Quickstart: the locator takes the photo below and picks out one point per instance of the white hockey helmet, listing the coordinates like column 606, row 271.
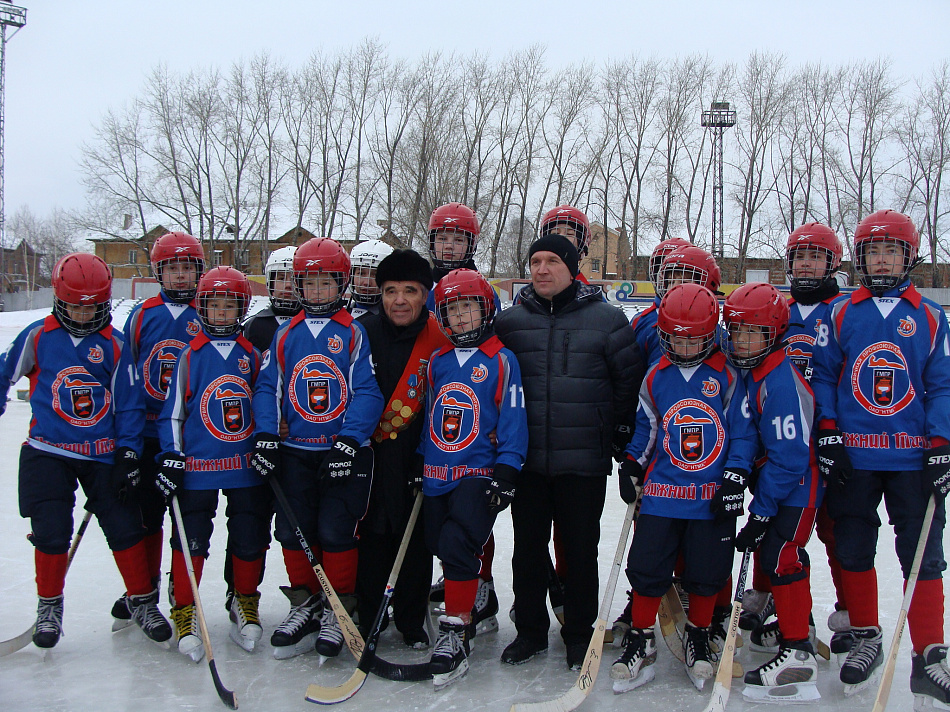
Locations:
column 364, row 259
column 281, row 261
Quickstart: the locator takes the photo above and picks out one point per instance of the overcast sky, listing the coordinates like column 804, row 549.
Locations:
column 76, row 58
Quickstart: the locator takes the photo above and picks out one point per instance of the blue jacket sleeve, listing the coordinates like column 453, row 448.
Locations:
column 18, row 360
column 827, row 363
column 366, row 406
column 937, row 381
column 128, row 401
column 743, row 440
column 269, row 391
column 512, row 431
column 643, row 442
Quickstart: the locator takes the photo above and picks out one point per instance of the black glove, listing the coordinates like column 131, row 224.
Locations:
column 833, row 460
column 125, row 473
column 729, row 498
column 415, row 474
column 266, row 458
column 171, row 475
column 631, row 480
column 501, row 488
column 937, row 469
column 623, row 433
column 752, row 533
column 337, row 466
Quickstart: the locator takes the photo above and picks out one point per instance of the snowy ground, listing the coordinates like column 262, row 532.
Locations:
column 93, row 668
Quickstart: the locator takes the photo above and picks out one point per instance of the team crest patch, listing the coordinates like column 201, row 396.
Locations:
column 335, row 344
column 78, row 398
column 159, row 366
column 318, row 389
column 880, row 380
column 694, row 435
column 225, row 408
column 907, row 326
column 193, row 327
column 799, row 349
column 479, row 374
column 244, row 364
column 710, row 387
column 454, row 420
column 95, row 354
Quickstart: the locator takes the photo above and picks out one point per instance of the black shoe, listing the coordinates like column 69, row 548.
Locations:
column 521, row 650
column 930, row 678
column 865, row 656
column 576, row 652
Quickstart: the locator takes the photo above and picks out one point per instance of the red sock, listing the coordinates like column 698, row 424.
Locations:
column 247, row 575
column 724, row 597
column 488, row 555
column 643, row 610
column 460, row 597
column 299, row 571
column 860, row 590
column 760, row 579
column 50, row 573
column 701, row 610
column 825, row 528
column 925, row 616
column 341, row 569
column 154, row 546
column 133, row 565
column 183, row 594
column 559, row 564
column 792, row 606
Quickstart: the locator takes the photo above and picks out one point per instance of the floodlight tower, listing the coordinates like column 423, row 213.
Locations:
column 719, row 118
column 10, row 16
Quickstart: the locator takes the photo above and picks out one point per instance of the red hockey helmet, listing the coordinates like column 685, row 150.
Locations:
column 82, row 280
column 321, row 256
column 177, row 247
column 456, row 218
column 885, row 227
column 689, row 264
column 227, row 283
column 567, row 216
column 688, row 310
column 754, row 308
column 659, row 254
column 454, row 297
column 813, row 236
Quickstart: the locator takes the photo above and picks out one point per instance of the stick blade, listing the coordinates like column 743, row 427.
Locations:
column 227, row 697
column 18, row 643
column 334, row 695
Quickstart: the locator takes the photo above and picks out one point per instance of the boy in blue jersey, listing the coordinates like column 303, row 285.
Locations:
column 693, row 432
column 474, row 388
column 205, row 431
column 787, row 491
column 882, row 383
column 318, row 377
column 86, row 415
column 156, row 332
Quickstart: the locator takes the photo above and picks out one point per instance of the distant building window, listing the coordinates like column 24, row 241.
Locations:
column 242, row 259
column 216, row 260
column 595, row 265
column 133, row 257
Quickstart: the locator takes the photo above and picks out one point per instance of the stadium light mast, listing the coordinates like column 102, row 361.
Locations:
column 719, row 118
column 10, row 16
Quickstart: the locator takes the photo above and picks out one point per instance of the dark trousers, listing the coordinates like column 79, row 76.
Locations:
column 783, row 555
column 247, row 512
column 458, row 524
column 575, row 505
column 149, row 498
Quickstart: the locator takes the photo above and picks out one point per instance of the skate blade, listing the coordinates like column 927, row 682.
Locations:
column 120, row 624
column 247, row 644
column 443, row 680
column 195, row 654
column 851, row 690
column 302, row 646
column 163, row 644
column 632, row 683
column 698, row 681
column 488, row 625
column 926, row 703
column 794, row 693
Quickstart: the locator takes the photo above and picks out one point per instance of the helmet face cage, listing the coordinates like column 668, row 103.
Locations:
column 689, row 311
column 706, row 343
column 808, row 284
column 181, row 295
column 100, row 319
column 280, row 265
column 441, row 263
column 571, row 217
column 364, row 259
column 880, row 283
column 463, row 307
column 204, row 310
column 317, row 306
column 757, row 315
column 682, row 271
column 80, row 281
column 660, row 253
column 749, row 358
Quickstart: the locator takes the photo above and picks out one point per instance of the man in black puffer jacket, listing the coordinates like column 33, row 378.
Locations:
column 581, row 369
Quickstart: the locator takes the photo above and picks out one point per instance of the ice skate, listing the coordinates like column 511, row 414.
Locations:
column 121, row 617
column 718, row 630
column 636, row 665
column 330, row 638
column 930, row 679
column 484, row 615
column 185, row 619
column 757, row 608
column 699, row 658
column 297, row 634
column 841, row 644
column 145, row 615
column 620, row 627
column 449, row 660
column 858, row 669
column 246, row 628
column 789, row 677
column 49, row 622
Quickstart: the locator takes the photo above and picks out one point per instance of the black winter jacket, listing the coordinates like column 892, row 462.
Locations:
column 581, row 369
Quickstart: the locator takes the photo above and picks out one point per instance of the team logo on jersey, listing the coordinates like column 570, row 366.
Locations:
column 710, row 388
column 907, row 326
column 95, row 354
column 244, row 364
column 335, row 344
column 159, row 366
column 78, row 398
column 479, row 374
column 880, row 380
column 193, row 327
column 454, row 420
column 694, row 435
column 318, row 389
column 225, row 408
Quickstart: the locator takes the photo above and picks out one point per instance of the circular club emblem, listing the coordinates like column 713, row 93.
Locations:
column 694, row 435
column 158, row 368
column 225, row 408
column 79, row 398
column 799, row 349
column 318, row 389
column 879, row 379
column 455, row 415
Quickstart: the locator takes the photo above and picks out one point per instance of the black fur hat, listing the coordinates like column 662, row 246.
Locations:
column 404, row 266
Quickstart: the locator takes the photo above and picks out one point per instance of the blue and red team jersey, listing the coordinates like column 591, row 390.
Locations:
column 882, row 372
column 319, row 377
column 644, row 331
column 692, row 423
column 83, row 390
column 471, row 393
column 804, row 322
column 207, row 413
column 157, row 330
column 782, row 406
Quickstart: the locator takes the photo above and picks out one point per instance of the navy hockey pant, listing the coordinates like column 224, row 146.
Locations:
column 150, row 499
column 247, row 512
column 47, row 491
column 458, row 524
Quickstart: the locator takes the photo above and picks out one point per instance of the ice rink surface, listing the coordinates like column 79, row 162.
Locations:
column 94, row 669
